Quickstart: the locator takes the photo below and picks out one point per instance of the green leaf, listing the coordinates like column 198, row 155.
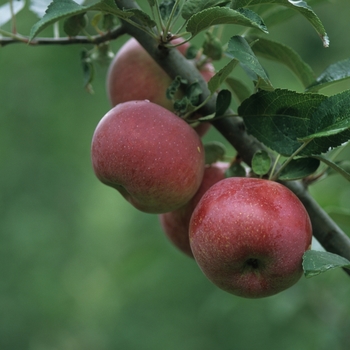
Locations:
column 261, row 162
column 238, row 88
column 214, row 151
column 152, row 2
column 339, row 169
column 212, row 47
column 283, row 54
column 333, row 74
column 223, row 102
column 329, row 125
column 165, row 9
column 299, row 168
column 316, row 262
column 220, row 76
column 218, row 15
column 190, row 99
column 239, row 49
column 191, row 7
column 60, row 9
column 174, row 87
column 254, row 17
column 236, row 170
column 279, row 14
column 73, row 25
column 193, row 92
column 279, row 118
column 299, row 5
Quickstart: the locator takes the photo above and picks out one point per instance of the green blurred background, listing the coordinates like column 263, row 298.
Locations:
column 80, row 269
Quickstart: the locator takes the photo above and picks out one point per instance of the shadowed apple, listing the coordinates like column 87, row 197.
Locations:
column 175, row 224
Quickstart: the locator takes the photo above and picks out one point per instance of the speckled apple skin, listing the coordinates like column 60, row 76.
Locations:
column 134, row 75
column 151, row 156
column 248, row 236
column 175, row 224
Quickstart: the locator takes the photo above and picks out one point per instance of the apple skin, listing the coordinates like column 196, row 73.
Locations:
column 176, row 223
column 134, row 75
column 249, row 235
column 150, row 155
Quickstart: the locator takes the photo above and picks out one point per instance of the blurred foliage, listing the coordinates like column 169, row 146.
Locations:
column 80, row 269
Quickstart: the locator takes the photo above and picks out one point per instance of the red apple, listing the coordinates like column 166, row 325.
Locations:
column 175, row 224
column 134, row 75
column 249, row 235
column 150, row 155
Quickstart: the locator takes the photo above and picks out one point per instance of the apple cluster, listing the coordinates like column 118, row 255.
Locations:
column 248, row 235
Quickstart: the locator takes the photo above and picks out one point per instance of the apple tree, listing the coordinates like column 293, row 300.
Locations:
column 276, row 134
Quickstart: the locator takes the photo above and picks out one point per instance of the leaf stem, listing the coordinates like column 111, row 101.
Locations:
column 13, row 18
column 159, row 18
column 170, row 19
column 274, row 166
column 274, row 177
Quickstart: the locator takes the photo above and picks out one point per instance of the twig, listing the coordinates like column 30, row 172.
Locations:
column 95, row 40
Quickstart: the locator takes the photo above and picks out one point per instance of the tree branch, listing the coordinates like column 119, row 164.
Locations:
column 325, row 230
column 95, row 40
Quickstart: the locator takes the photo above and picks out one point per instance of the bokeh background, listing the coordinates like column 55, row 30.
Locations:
column 80, row 269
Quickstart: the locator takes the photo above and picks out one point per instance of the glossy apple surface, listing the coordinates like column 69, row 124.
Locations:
column 151, row 156
column 248, row 236
column 175, row 224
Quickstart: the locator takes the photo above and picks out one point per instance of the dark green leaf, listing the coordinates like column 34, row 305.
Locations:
column 191, row 7
column 214, row 151
column 254, row 17
column 220, row 76
column 223, row 102
column 212, row 47
column 279, row 118
column 337, row 167
column 283, row 54
column 301, row 6
column 261, row 162
column 193, row 92
column 235, row 170
column 174, row 87
column 299, row 168
column 333, row 74
column 218, row 15
column 316, row 262
column 165, row 8
column 60, row 9
column 238, row 88
column 152, row 2
column 329, row 125
column 73, row 25
column 239, row 49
